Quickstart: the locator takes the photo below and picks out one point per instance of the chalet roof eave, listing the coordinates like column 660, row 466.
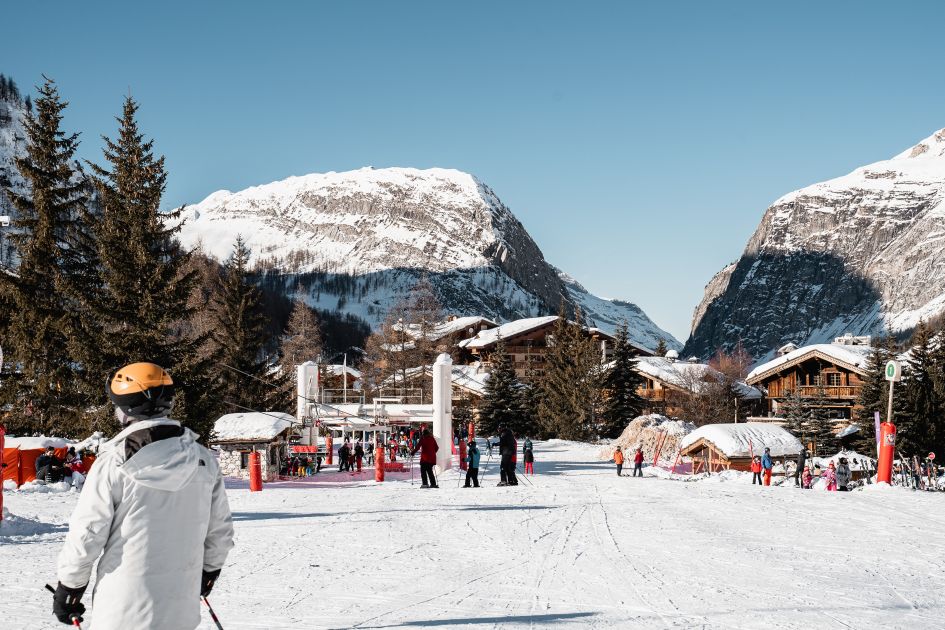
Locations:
column 804, row 357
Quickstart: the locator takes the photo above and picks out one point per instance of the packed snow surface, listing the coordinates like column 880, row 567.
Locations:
column 251, row 425
column 579, row 548
column 745, row 438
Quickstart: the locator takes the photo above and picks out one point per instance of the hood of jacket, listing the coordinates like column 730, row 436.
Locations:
column 167, row 464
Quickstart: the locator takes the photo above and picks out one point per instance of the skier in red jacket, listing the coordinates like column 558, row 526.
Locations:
column 638, row 462
column 428, row 448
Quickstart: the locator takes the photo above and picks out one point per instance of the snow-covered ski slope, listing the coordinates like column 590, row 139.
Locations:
column 581, row 548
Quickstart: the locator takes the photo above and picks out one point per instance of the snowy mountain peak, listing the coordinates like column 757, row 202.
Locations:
column 857, row 253
column 380, row 229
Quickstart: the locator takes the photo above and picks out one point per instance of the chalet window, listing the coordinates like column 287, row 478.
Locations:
column 815, row 380
column 244, row 460
column 833, row 379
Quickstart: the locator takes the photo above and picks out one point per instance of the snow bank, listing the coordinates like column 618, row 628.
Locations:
column 645, row 431
column 251, row 426
column 42, row 487
column 743, row 439
column 13, row 525
column 37, row 442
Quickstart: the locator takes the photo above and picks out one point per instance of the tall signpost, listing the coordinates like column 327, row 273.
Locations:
column 887, row 430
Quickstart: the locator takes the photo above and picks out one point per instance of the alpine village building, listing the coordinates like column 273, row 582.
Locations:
column 826, row 376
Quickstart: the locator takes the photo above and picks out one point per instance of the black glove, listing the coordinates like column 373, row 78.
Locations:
column 207, row 580
column 66, row 604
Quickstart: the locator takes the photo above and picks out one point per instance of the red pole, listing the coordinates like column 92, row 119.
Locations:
column 462, row 455
column 887, row 450
column 255, row 472
column 2, row 433
column 328, row 447
column 378, row 464
column 472, row 430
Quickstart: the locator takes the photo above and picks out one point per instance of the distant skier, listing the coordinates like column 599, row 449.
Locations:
column 359, row 454
column 801, row 462
column 528, row 456
column 767, row 465
column 428, row 448
column 756, row 470
column 638, row 462
column 807, row 480
column 830, row 477
column 472, row 458
column 618, row 459
column 507, row 452
column 154, row 514
column 343, row 457
column 843, row 475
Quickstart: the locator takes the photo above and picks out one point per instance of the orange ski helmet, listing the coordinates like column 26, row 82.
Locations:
column 142, row 390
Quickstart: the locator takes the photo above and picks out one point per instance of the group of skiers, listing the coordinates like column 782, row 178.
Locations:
column 51, row 469
column 637, row 461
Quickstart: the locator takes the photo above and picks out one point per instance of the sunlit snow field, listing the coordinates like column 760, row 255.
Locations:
column 578, row 548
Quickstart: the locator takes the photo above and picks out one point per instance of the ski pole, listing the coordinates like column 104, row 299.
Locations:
column 213, row 615
column 74, row 618
column 525, row 477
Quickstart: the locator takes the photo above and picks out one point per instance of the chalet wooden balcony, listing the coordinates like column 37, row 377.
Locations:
column 653, row 395
column 839, row 392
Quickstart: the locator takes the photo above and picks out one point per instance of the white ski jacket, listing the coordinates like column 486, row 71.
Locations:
column 155, row 509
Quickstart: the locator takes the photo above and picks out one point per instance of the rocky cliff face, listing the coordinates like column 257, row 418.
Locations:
column 12, row 140
column 357, row 241
column 854, row 254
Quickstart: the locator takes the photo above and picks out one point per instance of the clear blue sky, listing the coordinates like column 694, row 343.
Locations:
column 639, row 143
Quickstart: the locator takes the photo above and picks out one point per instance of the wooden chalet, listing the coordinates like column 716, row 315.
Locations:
column 667, row 379
column 526, row 342
column 828, row 377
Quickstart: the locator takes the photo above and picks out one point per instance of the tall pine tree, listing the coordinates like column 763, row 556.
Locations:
column 874, row 393
column 500, row 401
column 139, row 310
column 302, row 340
column 248, row 380
column 570, row 384
column 35, row 322
column 922, row 406
column 620, row 384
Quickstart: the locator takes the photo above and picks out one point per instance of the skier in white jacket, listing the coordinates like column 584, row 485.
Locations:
column 154, row 508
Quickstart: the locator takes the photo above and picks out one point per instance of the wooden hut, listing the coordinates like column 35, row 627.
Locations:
column 718, row 447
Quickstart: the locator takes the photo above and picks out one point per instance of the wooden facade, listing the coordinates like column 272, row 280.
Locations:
column 706, row 457
column 822, row 381
column 528, row 349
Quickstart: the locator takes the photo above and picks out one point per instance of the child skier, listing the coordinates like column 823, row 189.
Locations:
column 472, row 458
column 638, row 462
column 756, row 470
column 529, row 457
column 830, row 476
column 843, row 475
column 806, row 478
column 618, row 459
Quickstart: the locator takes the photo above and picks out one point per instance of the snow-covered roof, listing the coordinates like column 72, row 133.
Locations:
column 448, row 327
column 486, row 338
column 37, row 442
column 685, row 375
column 853, row 357
column 251, row 426
column 743, row 439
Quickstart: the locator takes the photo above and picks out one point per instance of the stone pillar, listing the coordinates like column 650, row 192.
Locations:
column 443, row 411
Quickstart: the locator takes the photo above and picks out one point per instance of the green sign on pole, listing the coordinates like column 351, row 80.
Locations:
column 893, row 371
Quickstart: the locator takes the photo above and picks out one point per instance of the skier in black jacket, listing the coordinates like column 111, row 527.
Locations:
column 801, row 462
column 507, row 450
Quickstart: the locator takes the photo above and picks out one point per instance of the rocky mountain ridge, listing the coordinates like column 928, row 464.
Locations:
column 357, row 241
column 858, row 253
